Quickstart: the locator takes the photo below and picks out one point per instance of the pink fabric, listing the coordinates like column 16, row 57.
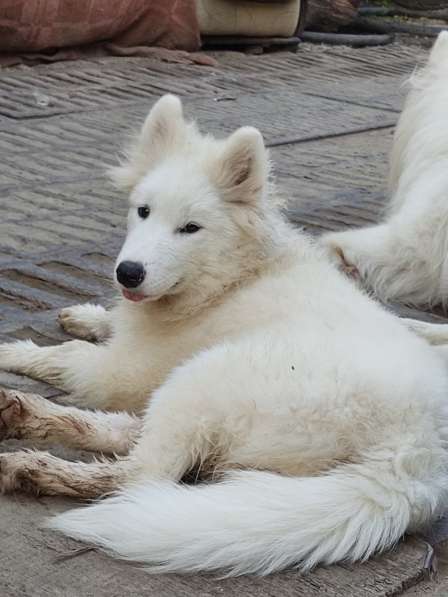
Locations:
column 39, row 25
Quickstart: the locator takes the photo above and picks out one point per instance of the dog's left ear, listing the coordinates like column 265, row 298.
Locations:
column 242, row 170
column 439, row 51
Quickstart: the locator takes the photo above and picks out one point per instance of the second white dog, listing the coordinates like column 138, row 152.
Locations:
column 405, row 258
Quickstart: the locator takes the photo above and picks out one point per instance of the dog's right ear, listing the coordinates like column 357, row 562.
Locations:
column 163, row 128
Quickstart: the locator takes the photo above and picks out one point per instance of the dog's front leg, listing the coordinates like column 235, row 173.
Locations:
column 56, row 365
column 95, row 376
column 31, row 417
column 41, row 473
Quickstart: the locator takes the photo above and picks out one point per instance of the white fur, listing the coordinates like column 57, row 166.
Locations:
column 87, row 321
column 405, row 258
column 258, row 355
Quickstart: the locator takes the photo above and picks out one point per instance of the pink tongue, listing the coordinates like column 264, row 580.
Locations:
column 133, row 296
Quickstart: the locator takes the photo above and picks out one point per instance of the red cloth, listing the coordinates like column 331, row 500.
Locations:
column 39, row 25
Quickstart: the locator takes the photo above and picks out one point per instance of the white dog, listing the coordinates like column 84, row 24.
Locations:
column 320, row 418
column 405, row 258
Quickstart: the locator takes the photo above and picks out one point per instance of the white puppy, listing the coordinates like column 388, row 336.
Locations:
column 251, row 358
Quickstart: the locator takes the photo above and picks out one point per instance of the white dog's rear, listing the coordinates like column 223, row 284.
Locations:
column 405, row 258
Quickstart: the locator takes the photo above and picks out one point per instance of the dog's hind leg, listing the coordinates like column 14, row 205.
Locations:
column 399, row 261
column 31, row 417
column 44, row 474
column 356, row 251
column 88, row 322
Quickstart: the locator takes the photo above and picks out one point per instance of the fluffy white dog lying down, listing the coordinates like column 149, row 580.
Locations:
column 320, row 420
column 405, row 258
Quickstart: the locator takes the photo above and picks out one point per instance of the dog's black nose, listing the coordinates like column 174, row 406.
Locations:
column 130, row 273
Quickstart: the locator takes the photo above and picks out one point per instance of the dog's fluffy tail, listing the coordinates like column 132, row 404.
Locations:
column 257, row 522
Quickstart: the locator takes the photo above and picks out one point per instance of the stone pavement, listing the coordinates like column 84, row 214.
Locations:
column 328, row 115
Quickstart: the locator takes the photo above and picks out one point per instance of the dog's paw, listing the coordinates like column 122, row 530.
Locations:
column 7, row 473
column 71, row 320
column 87, row 322
column 18, row 471
column 16, row 356
column 12, row 414
column 18, row 411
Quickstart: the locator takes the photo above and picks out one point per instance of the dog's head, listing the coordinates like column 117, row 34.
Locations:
column 198, row 207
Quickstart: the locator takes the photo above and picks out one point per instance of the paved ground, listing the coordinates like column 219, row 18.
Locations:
column 328, row 115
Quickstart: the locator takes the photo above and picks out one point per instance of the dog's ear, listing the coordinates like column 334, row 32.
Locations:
column 162, row 127
column 439, row 51
column 162, row 130
column 242, row 170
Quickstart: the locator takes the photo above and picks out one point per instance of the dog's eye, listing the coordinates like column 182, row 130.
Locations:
column 143, row 212
column 189, row 228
